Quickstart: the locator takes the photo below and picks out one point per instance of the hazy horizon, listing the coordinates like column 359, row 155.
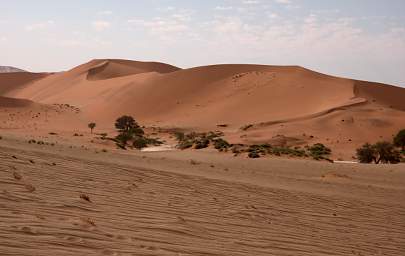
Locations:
column 356, row 39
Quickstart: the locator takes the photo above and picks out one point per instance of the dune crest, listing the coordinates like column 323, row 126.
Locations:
column 108, row 69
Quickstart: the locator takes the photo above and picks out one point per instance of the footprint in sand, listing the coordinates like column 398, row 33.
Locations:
column 73, row 239
column 28, row 230
column 30, row 188
column 17, row 176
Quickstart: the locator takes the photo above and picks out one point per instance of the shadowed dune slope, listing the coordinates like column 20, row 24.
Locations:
column 13, row 80
column 6, row 102
column 387, row 95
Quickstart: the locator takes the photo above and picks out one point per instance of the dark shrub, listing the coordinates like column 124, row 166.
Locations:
column 319, row 151
column 122, row 139
column 366, row 154
column 153, row 141
column 140, row 142
column 202, row 143
column 253, row 154
column 399, row 139
column 221, row 144
column 185, row 144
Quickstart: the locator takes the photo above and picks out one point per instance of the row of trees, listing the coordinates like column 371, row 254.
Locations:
column 383, row 151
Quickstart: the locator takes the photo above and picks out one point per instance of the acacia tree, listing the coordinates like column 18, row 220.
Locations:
column 91, row 126
column 399, row 139
column 381, row 152
column 128, row 130
column 127, row 124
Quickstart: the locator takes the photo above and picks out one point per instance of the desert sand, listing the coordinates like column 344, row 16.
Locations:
column 76, row 194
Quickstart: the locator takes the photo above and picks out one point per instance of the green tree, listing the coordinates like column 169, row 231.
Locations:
column 91, row 126
column 399, row 139
column 386, row 153
column 381, row 152
column 366, row 154
column 128, row 130
column 127, row 124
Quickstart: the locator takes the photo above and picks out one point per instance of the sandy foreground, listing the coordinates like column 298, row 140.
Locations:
column 194, row 203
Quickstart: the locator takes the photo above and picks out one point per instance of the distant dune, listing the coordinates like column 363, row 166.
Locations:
column 273, row 101
column 8, row 69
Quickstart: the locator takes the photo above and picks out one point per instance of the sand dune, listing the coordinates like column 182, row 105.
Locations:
column 275, row 100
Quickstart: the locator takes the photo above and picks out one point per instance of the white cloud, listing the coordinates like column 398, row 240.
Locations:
column 223, row 8
column 250, row 2
column 105, row 13
column 169, row 27
column 39, row 26
column 283, row 1
column 160, row 25
column 101, row 25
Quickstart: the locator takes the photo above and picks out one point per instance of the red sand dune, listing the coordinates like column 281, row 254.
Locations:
column 275, row 100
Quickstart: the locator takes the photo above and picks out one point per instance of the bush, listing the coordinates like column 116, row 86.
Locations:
column 103, row 136
column 253, row 154
column 221, row 144
column 399, row 139
column 153, row 141
column 185, row 144
column 366, row 154
column 197, row 140
column 122, row 139
column 202, row 143
column 319, row 151
column 140, row 142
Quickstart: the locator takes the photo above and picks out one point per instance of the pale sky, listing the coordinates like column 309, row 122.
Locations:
column 362, row 39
